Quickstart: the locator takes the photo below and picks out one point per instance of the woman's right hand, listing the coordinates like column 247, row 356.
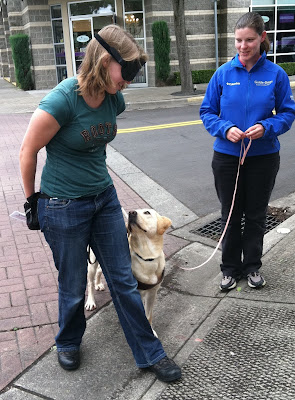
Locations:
column 234, row 134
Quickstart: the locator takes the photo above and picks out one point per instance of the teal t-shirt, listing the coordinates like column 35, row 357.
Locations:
column 76, row 156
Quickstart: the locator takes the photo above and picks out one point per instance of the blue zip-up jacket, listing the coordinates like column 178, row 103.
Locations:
column 236, row 97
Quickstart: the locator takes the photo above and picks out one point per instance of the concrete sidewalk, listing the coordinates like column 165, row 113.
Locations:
column 18, row 101
column 238, row 345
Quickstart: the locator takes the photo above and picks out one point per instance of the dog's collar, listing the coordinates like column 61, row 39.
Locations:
column 146, row 286
column 144, row 259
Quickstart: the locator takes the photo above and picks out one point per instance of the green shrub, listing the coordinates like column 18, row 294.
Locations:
column 161, row 40
column 201, row 76
column 204, row 75
column 288, row 67
column 22, row 60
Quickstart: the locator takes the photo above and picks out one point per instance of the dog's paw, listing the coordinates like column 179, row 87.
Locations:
column 99, row 287
column 90, row 305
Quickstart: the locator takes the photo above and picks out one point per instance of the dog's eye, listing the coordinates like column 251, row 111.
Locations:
column 147, row 213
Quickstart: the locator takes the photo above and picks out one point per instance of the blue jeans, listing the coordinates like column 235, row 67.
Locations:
column 69, row 226
column 242, row 251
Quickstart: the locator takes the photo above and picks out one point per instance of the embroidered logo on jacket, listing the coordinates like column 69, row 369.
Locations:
column 233, row 83
column 263, row 83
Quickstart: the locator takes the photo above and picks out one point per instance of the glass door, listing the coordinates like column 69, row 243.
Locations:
column 101, row 21
column 134, row 22
column 81, row 35
column 83, row 30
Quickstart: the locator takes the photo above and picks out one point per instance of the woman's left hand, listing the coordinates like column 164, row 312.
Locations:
column 255, row 131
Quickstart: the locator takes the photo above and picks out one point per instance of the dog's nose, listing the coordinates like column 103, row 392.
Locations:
column 132, row 216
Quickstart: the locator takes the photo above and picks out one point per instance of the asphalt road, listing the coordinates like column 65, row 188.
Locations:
column 179, row 157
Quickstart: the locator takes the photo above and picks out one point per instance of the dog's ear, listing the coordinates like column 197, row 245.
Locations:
column 128, row 229
column 163, row 224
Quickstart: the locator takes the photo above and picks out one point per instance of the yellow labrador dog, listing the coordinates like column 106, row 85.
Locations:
column 145, row 231
column 145, row 234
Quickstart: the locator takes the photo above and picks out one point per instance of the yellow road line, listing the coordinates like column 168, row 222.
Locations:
column 163, row 126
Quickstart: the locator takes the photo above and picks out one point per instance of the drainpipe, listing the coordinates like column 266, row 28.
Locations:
column 216, row 33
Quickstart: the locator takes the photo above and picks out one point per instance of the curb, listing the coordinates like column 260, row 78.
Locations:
column 147, row 105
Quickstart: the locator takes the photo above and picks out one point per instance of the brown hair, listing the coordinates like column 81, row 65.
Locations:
column 93, row 76
column 254, row 21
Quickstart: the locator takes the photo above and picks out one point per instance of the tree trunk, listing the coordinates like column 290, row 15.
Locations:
column 182, row 48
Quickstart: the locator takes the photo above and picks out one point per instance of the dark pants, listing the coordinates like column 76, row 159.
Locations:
column 242, row 250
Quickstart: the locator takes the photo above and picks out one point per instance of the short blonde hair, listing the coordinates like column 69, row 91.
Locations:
column 93, row 76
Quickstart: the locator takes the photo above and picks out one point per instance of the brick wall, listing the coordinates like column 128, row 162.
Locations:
column 31, row 17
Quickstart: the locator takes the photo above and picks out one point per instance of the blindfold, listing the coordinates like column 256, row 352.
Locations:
column 129, row 68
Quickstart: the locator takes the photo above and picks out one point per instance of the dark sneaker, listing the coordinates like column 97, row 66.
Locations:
column 255, row 280
column 166, row 370
column 227, row 283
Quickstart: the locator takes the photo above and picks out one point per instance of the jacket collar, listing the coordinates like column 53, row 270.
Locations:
column 237, row 63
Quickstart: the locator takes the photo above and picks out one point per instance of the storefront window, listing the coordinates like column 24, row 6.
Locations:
column 82, row 34
column 60, row 57
column 279, row 19
column 93, row 7
column 61, row 73
column 268, row 15
column 262, row 2
column 58, row 34
column 55, row 12
column 285, row 58
column 133, row 5
column 286, row 18
column 58, row 42
column 134, row 24
column 101, row 21
column 286, row 42
column 141, row 76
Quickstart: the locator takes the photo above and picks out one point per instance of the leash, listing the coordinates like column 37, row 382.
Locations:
column 243, row 152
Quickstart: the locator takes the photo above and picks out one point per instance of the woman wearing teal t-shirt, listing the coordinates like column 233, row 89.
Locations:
column 79, row 205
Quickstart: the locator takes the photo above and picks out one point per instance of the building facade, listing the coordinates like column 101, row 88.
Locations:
column 59, row 31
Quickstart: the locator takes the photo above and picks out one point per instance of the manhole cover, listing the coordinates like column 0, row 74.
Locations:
column 274, row 217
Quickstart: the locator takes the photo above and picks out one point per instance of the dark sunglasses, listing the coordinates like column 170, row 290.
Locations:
column 129, row 68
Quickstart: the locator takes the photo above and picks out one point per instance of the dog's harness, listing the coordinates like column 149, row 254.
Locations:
column 146, row 286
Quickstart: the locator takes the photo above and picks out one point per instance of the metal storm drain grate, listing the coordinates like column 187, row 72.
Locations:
column 274, row 217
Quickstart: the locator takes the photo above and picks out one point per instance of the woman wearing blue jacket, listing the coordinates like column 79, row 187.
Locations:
column 248, row 99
